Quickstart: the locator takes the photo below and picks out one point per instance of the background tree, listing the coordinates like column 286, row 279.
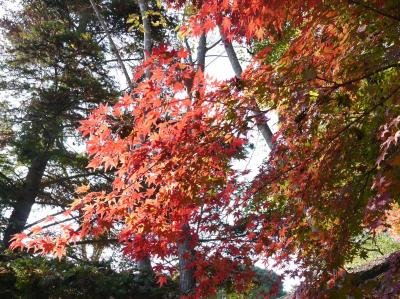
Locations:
column 57, row 64
column 54, row 65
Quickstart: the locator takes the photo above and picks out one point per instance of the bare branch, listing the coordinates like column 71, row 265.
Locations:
column 375, row 10
column 214, row 44
column 43, row 219
column 113, row 46
column 189, row 50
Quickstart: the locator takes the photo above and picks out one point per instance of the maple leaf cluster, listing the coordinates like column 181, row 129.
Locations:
column 332, row 173
column 170, row 150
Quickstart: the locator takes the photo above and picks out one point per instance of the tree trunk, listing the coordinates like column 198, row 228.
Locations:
column 200, row 61
column 201, row 52
column 260, row 119
column 186, row 254
column 26, row 197
column 187, row 281
column 144, row 264
column 261, row 122
column 147, row 40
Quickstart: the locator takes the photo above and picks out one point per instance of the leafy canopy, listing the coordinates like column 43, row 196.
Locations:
column 325, row 188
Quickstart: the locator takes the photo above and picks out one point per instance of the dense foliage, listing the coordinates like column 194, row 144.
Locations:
column 328, row 185
column 39, row 278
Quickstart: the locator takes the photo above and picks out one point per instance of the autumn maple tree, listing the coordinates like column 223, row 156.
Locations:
column 330, row 71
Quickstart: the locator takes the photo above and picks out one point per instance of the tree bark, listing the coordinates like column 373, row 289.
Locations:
column 187, row 281
column 144, row 264
column 230, row 51
column 201, row 52
column 26, row 197
column 200, row 60
column 147, row 40
column 186, row 254
column 261, row 121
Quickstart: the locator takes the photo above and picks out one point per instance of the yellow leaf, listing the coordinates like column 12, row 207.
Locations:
column 82, row 189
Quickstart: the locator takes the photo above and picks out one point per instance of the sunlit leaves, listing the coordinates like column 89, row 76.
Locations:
column 333, row 171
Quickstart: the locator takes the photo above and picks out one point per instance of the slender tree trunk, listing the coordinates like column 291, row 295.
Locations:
column 201, row 52
column 200, row 60
column 147, row 40
column 230, row 51
column 26, row 197
column 144, row 264
column 186, row 254
column 261, row 121
column 187, row 281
